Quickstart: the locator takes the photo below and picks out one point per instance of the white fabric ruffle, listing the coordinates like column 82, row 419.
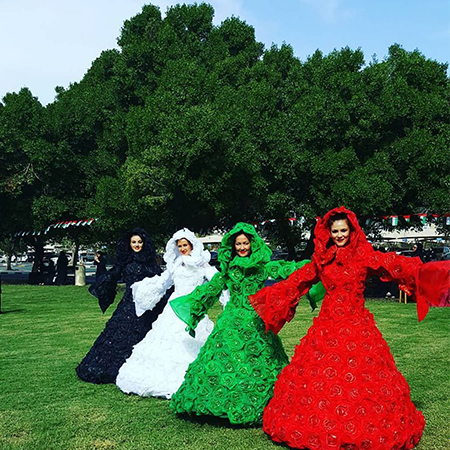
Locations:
column 148, row 292
column 158, row 363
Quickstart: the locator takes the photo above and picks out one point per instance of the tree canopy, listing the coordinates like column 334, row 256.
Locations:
column 193, row 124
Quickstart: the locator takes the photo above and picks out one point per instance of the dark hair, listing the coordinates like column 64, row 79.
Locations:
column 339, row 216
column 99, row 252
column 334, row 218
column 190, row 243
column 240, row 233
column 419, row 250
column 125, row 253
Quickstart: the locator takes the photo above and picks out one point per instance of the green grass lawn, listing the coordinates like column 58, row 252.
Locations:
column 46, row 330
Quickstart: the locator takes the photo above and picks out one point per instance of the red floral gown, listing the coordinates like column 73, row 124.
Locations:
column 342, row 389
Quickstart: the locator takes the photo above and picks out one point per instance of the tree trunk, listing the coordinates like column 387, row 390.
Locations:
column 286, row 235
column 9, row 255
column 8, row 261
column 309, row 250
column 38, row 245
column 292, row 254
column 36, row 276
column 76, row 250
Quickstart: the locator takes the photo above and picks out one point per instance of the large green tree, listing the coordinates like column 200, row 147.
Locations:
column 22, row 125
column 193, row 124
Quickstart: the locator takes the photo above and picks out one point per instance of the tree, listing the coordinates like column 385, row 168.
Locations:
column 21, row 124
column 192, row 124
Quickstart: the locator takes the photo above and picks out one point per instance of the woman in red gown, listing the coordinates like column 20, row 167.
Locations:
column 342, row 389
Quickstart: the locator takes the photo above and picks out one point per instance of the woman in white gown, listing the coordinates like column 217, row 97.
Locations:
column 157, row 366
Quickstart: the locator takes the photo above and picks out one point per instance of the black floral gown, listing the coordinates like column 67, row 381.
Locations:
column 124, row 329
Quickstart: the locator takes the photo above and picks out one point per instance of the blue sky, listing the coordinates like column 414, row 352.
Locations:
column 48, row 43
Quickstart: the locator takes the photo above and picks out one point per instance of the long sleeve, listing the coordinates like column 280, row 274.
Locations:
column 209, row 274
column 427, row 282
column 193, row 307
column 149, row 291
column 105, row 287
column 283, row 269
column 276, row 304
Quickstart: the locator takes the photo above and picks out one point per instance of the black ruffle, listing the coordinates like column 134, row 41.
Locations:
column 116, row 342
column 126, row 255
column 124, row 329
column 105, row 290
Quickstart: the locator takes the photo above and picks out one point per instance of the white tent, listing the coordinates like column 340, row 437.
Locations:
column 212, row 239
column 428, row 232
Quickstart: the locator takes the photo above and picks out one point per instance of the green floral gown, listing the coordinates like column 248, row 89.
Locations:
column 235, row 371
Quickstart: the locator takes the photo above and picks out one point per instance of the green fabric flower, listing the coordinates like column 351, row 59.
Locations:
column 260, row 254
column 234, row 373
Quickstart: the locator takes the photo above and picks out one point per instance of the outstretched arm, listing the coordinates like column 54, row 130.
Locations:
column 209, row 274
column 276, row 304
column 282, row 269
column 149, row 291
column 193, row 307
column 427, row 282
column 105, row 287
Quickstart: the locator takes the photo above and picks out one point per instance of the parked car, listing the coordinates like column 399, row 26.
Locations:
column 279, row 255
column 214, row 261
column 441, row 253
column 88, row 257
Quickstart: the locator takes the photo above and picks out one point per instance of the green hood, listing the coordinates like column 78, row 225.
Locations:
column 260, row 254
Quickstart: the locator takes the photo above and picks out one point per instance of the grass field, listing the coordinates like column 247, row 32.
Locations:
column 46, row 330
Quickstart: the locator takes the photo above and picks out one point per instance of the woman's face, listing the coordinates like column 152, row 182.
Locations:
column 184, row 247
column 340, row 232
column 242, row 245
column 136, row 243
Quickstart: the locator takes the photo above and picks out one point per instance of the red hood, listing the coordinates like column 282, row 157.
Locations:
column 325, row 250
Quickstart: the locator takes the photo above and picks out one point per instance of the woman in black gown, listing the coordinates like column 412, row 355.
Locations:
column 136, row 259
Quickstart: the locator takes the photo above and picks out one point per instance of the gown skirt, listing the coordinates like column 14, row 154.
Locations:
column 234, row 373
column 159, row 362
column 342, row 389
column 114, row 345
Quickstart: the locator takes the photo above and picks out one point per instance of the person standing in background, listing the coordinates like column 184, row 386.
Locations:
column 61, row 267
column 418, row 251
column 100, row 262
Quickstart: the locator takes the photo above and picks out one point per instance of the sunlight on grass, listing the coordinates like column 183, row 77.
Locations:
column 46, row 330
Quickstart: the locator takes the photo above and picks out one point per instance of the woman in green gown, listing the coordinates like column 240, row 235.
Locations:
column 234, row 373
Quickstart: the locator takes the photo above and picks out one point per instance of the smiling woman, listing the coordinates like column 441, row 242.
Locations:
column 340, row 230
column 184, row 247
column 242, row 245
column 342, row 389
column 158, row 363
column 136, row 243
column 235, row 370
column 136, row 260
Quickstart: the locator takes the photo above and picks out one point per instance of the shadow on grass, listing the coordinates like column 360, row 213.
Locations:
column 214, row 421
column 12, row 311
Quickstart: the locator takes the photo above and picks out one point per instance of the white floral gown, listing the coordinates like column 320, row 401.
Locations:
column 159, row 362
